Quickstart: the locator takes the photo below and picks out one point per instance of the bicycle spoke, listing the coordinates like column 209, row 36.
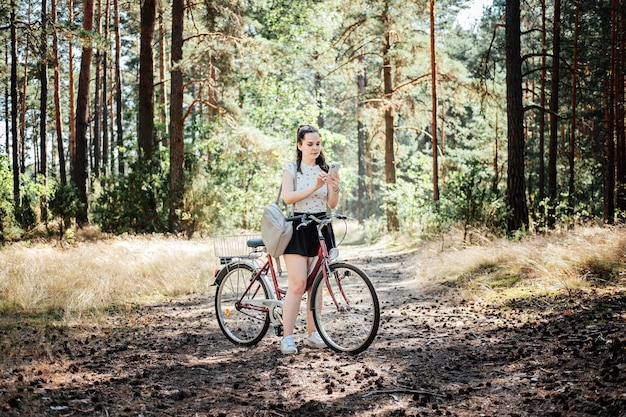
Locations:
column 240, row 322
column 346, row 309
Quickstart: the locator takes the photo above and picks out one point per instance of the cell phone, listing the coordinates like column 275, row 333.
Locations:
column 334, row 168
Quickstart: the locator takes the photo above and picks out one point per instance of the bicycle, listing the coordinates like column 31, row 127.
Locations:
column 248, row 298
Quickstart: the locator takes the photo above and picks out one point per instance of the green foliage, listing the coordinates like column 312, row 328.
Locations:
column 469, row 200
column 255, row 70
column 279, row 19
column 239, row 176
column 373, row 229
column 6, row 198
column 134, row 203
column 25, row 213
column 201, row 202
column 65, row 205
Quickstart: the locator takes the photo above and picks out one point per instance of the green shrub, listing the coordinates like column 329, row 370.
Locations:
column 65, row 205
column 134, row 203
column 469, row 201
column 6, row 198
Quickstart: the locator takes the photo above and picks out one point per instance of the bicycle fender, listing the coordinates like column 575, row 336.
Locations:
column 222, row 273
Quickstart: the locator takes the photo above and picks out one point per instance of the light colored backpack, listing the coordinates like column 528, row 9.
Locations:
column 276, row 231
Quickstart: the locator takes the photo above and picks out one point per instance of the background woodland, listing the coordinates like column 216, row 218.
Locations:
column 177, row 117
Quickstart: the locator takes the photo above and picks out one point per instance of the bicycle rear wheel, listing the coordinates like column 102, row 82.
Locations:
column 345, row 308
column 240, row 322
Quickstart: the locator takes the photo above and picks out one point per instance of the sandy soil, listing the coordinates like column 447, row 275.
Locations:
column 438, row 353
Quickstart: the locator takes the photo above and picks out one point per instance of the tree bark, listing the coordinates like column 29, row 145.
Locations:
column 393, row 223
column 43, row 106
column 105, row 93
column 146, row 81
column 70, row 76
column 433, row 70
column 58, row 122
column 79, row 172
column 361, row 141
column 162, row 83
column 554, row 118
column 619, row 83
column 16, row 149
column 7, row 100
column 118, row 89
column 95, row 148
column 43, row 97
column 23, row 111
column 516, row 188
column 573, row 129
column 542, row 112
column 611, row 104
column 176, row 116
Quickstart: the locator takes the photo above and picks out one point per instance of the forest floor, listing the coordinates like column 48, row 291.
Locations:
column 440, row 351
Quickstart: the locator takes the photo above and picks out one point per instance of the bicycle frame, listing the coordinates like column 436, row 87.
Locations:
column 268, row 305
column 322, row 260
column 249, row 298
column 276, row 300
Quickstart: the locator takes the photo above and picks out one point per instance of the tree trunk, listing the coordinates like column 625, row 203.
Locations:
column 542, row 112
column 58, row 122
column 146, row 81
column 95, row 147
column 43, row 97
column 611, row 104
column 70, row 76
column 619, row 83
column 79, row 172
column 16, row 149
column 176, row 116
column 23, row 112
column 516, row 188
column 162, row 82
column 554, row 118
column 433, row 70
column 43, row 106
column 361, row 141
column 573, row 129
column 118, row 89
column 318, row 93
column 496, row 156
column 609, row 186
column 105, row 93
column 7, row 99
column 393, row 223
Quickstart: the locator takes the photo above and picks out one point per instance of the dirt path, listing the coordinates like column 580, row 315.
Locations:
column 436, row 355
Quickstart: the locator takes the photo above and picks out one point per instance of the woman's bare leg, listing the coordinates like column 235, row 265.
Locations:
column 296, row 276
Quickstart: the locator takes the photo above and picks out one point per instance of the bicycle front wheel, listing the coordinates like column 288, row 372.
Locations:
column 345, row 308
column 241, row 322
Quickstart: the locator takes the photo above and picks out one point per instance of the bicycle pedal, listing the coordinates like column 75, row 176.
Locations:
column 278, row 330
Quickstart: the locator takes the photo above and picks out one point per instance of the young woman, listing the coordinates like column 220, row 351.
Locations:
column 308, row 185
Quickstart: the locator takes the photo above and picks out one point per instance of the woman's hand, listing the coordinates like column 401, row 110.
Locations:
column 322, row 179
column 333, row 181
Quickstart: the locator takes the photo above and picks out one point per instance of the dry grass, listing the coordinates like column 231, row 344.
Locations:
column 580, row 258
column 91, row 276
column 97, row 274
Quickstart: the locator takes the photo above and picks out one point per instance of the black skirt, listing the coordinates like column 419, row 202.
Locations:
column 305, row 241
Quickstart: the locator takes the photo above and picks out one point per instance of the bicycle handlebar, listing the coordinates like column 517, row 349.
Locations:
column 307, row 218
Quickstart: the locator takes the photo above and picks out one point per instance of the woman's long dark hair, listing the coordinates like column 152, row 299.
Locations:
column 320, row 160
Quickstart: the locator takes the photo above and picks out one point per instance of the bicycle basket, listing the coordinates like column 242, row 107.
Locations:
column 233, row 246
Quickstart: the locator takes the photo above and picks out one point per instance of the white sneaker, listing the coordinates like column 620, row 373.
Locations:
column 315, row 341
column 288, row 345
